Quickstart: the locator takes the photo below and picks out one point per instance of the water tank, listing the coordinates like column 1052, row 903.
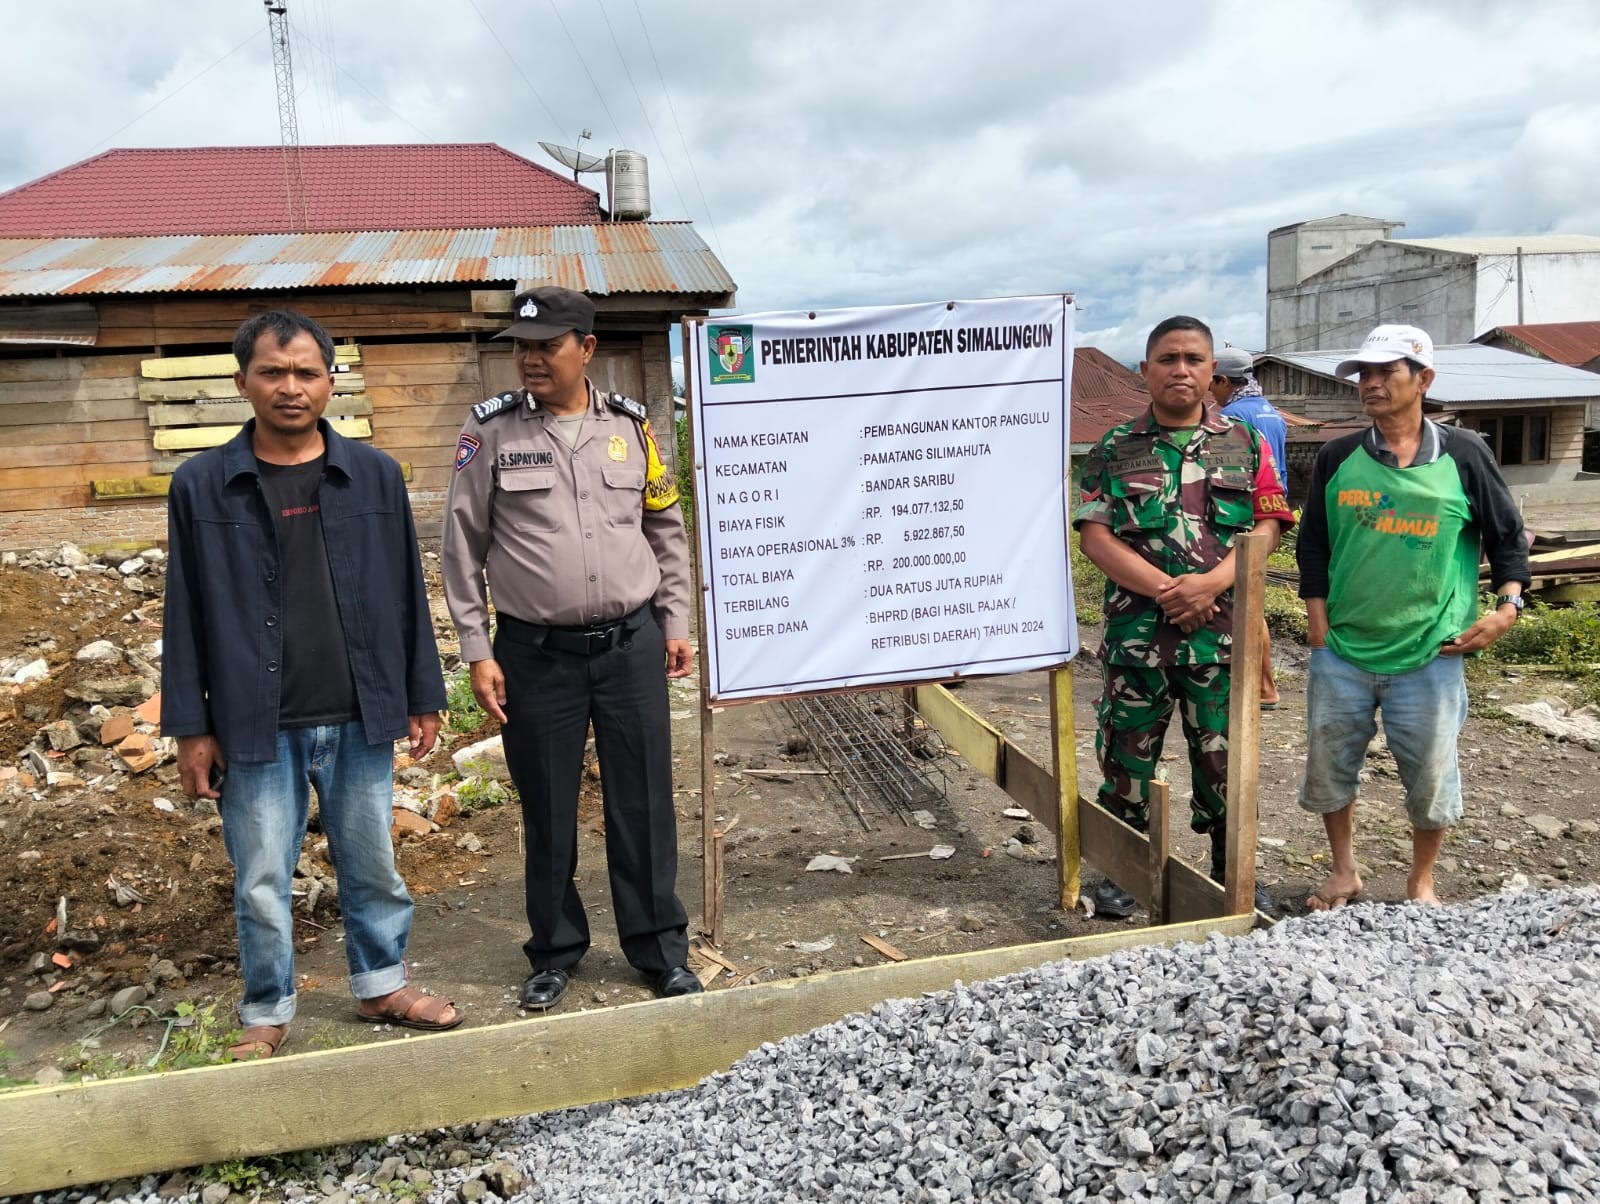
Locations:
column 628, row 183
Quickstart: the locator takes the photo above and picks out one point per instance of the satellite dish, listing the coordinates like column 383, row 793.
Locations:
column 575, row 159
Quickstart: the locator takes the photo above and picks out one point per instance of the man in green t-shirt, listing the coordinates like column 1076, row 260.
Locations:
column 1397, row 519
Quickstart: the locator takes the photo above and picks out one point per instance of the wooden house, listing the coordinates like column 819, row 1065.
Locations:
column 123, row 278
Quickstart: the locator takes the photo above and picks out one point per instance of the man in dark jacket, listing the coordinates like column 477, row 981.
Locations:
column 297, row 647
column 1397, row 519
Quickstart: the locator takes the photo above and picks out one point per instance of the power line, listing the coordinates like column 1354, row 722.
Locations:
column 329, row 101
column 503, row 50
column 404, row 120
column 683, row 205
column 605, row 108
column 695, row 175
column 198, row 75
column 332, row 38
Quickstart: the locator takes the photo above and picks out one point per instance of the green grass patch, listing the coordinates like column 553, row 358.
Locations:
column 1088, row 588
column 1564, row 637
column 1286, row 614
column 478, row 791
column 462, row 715
column 686, row 474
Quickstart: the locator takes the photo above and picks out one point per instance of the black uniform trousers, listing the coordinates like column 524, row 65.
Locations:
column 552, row 696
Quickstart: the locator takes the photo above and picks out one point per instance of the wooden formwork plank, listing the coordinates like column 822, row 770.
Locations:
column 1192, row 897
column 979, row 742
column 1031, row 785
column 1119, row 852
column 53, row 1137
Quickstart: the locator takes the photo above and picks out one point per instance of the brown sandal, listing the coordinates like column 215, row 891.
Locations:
column 411, row 1008
column 258, row 1041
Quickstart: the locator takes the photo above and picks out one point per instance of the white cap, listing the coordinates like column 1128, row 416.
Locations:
column 1389, row 343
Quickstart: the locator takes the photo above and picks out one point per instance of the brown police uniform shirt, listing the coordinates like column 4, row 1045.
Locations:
column 567, row 536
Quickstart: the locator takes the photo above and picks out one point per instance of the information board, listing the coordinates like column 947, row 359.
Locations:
column 880, row 494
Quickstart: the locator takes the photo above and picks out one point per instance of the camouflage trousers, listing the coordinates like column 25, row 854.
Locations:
column 1133, row 709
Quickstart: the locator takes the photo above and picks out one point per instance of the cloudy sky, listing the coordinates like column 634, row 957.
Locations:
column 837, row 153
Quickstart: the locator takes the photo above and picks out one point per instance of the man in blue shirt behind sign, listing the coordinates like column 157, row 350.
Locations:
column 1234, row 388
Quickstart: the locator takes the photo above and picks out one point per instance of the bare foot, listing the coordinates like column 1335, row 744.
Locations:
column 1420, row 890
column 1338, row 890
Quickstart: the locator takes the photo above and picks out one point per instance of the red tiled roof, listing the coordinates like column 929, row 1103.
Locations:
column 241, row 190
column 1575, row 344
column 1104, row 394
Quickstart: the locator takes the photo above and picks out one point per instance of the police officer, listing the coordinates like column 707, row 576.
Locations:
column 1162, row 500
column 560, row 498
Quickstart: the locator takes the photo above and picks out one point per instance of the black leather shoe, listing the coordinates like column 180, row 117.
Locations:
column 1265, row 904
column 680, row 980
column 1111, row 900
column 543, row 989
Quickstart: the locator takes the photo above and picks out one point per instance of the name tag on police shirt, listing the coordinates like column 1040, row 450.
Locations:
column 526, row 459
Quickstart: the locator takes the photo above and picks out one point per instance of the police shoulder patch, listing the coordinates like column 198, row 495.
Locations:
column 502, row 404
column 628, row 406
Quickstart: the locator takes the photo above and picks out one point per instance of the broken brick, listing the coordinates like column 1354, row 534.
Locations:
column 149, row 711
column 116, row 729
column 141, row 762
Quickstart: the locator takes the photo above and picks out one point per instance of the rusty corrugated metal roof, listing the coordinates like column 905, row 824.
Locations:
column 602, row 260
column 1104, row 394
column 1575, row 344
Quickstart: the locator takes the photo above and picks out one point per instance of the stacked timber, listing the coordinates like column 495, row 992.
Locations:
column 192, row 403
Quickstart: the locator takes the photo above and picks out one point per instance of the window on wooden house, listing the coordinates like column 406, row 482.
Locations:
column 1516, row 438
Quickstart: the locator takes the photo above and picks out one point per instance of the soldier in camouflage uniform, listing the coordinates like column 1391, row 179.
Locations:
column 1162, row 500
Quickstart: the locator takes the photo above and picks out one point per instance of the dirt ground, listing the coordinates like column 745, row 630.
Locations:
column 78, row 843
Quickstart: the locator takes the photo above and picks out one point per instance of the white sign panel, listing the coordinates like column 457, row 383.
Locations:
column 880, row 494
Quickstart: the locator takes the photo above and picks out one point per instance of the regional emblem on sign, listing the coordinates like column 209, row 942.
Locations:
column 730, row 349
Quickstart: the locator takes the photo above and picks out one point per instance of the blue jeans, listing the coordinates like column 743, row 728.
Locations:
column 1422, row 714
column 264, row 824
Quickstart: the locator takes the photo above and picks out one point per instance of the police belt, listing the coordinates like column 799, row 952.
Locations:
column 581, row 641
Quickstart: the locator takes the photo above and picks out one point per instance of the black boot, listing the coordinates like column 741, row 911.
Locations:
column 1219, row 868
column 1111, row 900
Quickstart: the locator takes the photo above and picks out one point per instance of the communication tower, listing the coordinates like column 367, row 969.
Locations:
column 294, row 184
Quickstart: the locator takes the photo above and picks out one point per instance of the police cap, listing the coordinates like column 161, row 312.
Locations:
column 546, row 313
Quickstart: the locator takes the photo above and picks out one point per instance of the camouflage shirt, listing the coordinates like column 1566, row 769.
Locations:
column 1180, row 508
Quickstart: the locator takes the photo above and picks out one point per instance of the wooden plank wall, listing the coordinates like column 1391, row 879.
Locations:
column 420, row 394
column 65, row 422
column 68, row 420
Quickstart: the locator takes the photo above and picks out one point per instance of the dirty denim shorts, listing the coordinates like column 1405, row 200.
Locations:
column 1422, row 714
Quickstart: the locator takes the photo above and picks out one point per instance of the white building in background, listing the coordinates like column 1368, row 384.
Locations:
column 1331, row 280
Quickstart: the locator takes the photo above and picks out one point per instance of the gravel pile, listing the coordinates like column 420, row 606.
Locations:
column 1375, row 1053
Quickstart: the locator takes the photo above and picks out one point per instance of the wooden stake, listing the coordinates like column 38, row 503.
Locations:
column 710, row 838
column 1160, row 849
column 1064, row 763
column 1244, row 722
